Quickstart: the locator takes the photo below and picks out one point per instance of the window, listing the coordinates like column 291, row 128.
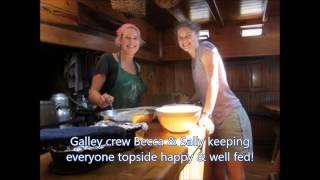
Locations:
column 204, row 34
column 251, row 30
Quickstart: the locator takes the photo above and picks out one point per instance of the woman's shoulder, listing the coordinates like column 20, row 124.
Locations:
column 207, row 44
column 108, row 58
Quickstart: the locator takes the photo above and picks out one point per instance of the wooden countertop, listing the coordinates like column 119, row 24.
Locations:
column 136, row 170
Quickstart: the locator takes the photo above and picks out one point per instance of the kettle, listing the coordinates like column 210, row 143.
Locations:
column 61, row 102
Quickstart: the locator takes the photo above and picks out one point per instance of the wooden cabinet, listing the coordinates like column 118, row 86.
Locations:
column 254, row 80
column 238, row 75
column 255, row 74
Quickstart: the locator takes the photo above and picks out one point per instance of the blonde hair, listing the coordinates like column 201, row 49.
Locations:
column 120, row 35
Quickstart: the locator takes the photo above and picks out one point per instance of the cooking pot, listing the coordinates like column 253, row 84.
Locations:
column 61, row 102
column 48, row 114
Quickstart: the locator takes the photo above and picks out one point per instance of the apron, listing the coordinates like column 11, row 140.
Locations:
column 128, row 88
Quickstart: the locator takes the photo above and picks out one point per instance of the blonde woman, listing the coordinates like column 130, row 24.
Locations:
column 116, row 81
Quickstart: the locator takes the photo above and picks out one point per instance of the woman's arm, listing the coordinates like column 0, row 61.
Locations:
column 94, row 92
column 211, row 72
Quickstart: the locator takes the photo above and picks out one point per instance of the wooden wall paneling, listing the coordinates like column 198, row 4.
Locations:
column 244, row 98
column 171, row 49
column 168, row 78
column 263, row 89
column 189, row 85
column 262, row 131
column 169, row 37
column 149, row 77
column 179, row 77
column 147, row 55
column 256, row 76
column 62, row 12
column 154, row 77
column 164, row 85
column 240, row 77
column 263, row 74
column 268, row 73
column 259, row 99
column 158, row 78
column 231, row 44
column 174, row 53
column 275, row 71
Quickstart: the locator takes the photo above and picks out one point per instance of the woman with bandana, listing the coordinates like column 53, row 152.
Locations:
column 116, row 81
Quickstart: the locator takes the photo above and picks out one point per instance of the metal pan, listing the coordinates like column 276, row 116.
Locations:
column 128, row 114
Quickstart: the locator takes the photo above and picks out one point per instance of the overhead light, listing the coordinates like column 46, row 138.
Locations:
column 251, row 30
column 204, row 34
column 251, row 26
column 251, row 7
column 199, row 14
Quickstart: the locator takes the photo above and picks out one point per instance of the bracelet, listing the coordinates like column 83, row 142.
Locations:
column 207, row 114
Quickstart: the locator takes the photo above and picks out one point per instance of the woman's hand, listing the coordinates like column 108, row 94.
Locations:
column 206, row 122
column 105, row 100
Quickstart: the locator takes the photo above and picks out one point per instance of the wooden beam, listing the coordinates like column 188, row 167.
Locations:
column 61, row 12
column 266, row 11
column 67, row 37
column 177, row 13
column 93, row 19
column 215, row 12
column 172, row 7
column 62, row 36
column 104, row 8
column 248, row 22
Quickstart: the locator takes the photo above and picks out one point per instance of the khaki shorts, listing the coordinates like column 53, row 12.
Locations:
column 236, row 129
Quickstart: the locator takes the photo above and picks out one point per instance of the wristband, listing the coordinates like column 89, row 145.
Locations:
column 206, row 114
